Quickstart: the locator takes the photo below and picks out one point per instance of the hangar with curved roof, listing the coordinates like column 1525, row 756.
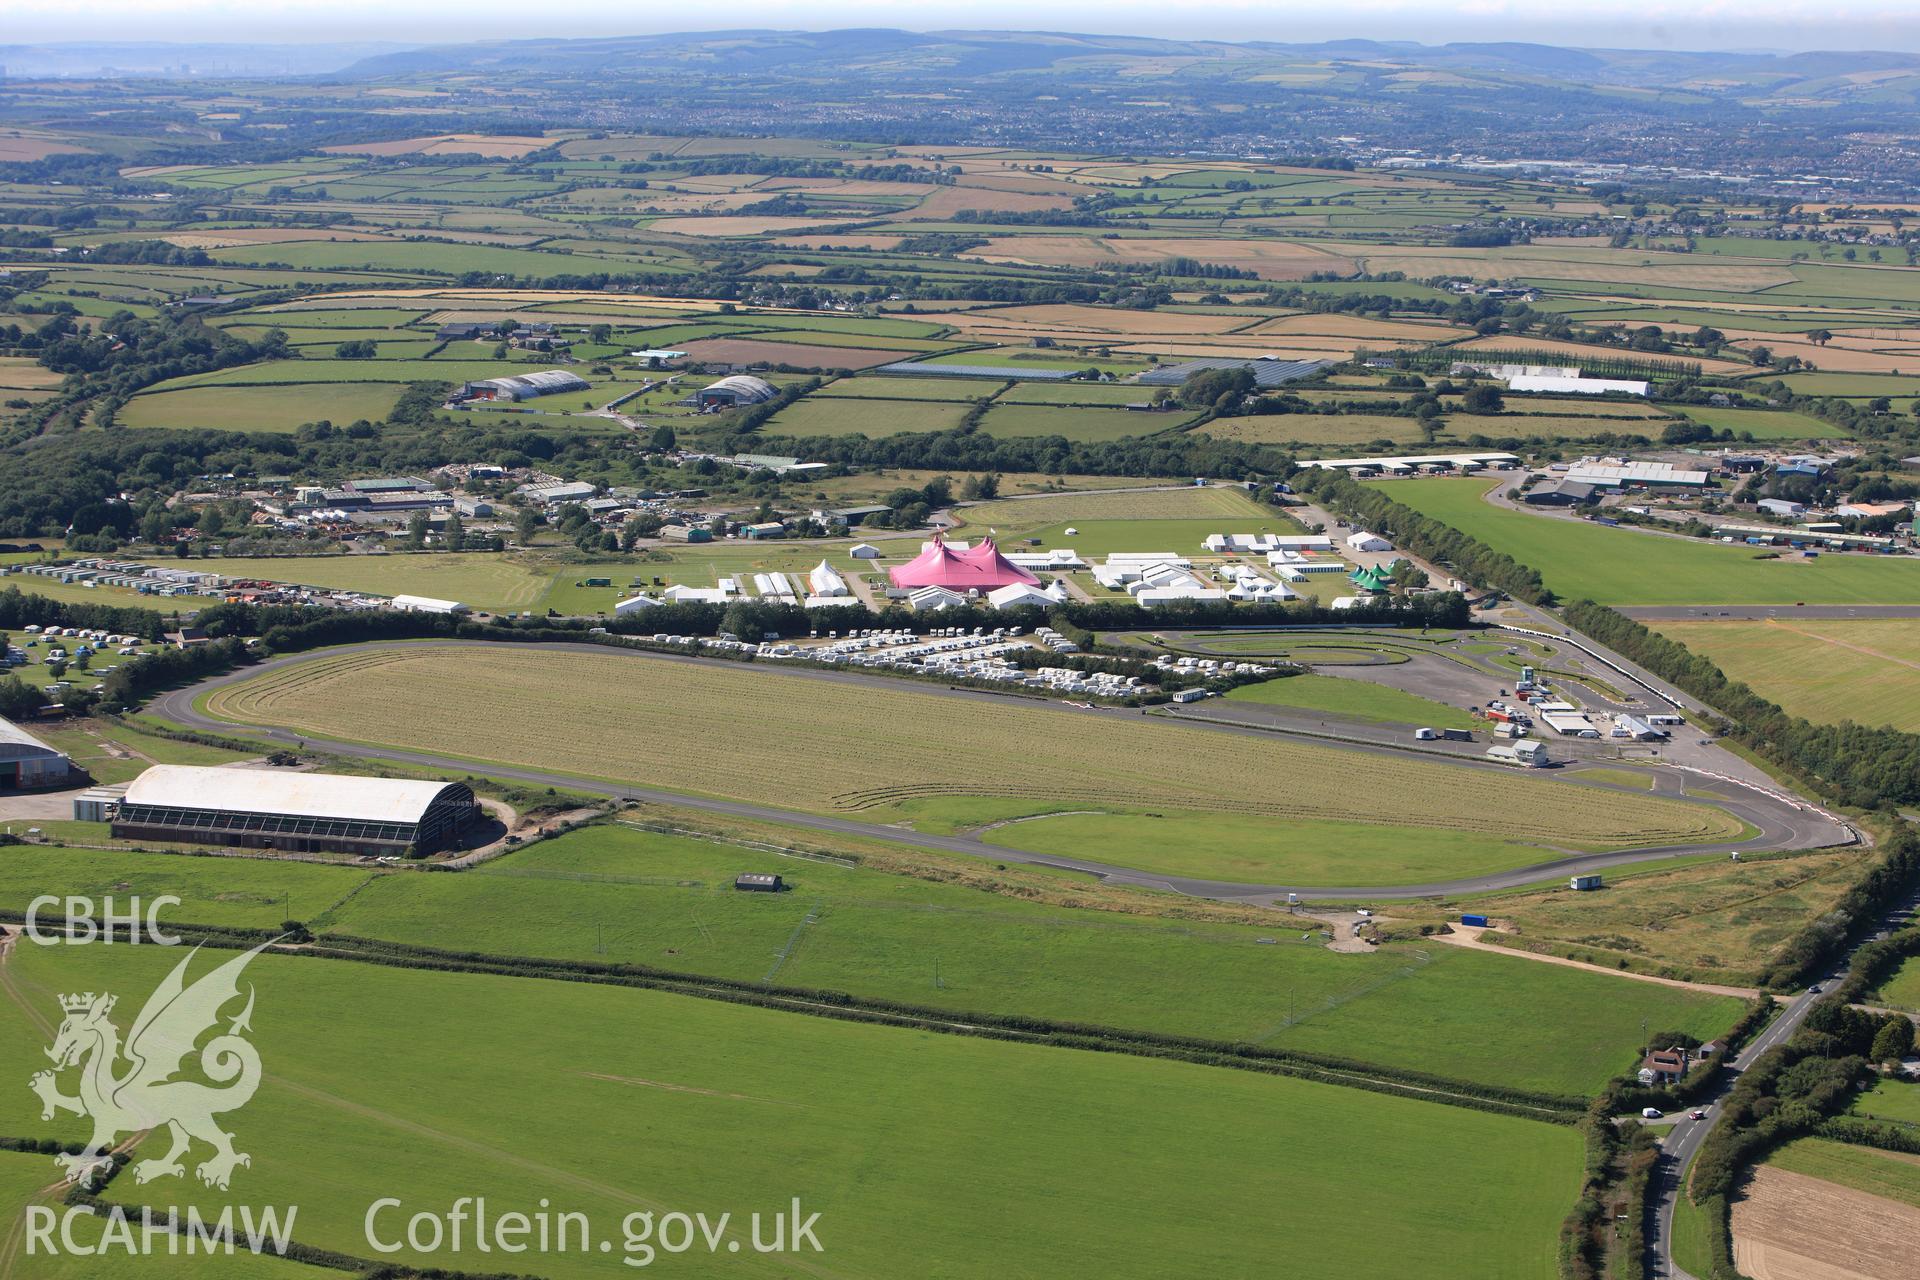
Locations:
column 301, row 812
column 741, row 388
column 26, row 762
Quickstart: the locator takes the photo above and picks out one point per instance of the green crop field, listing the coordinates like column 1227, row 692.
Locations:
column 846, row 747
column 1079, row 424
column 847, row 416
column 725, row 1108
column 1360, row 699
column 1765, row 424
column 884, row 388
column 1864, row 670
column 621, row 895
column 263, row 408
column 1626, row 567
column 1315, row 429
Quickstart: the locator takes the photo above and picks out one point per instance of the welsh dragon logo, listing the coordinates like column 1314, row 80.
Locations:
column 132, row 1087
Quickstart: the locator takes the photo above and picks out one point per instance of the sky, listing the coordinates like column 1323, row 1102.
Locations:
column 1641, row 24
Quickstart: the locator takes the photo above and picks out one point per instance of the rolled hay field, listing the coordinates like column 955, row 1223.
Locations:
column 799, row 741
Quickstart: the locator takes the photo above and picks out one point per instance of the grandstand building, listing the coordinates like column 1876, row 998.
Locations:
column 300, row 812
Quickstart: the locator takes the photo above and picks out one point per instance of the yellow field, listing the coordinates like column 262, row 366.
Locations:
column 803, row 743
column 1867, row 671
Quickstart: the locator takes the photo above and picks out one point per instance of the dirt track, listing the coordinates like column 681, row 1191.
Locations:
column 1466, row 935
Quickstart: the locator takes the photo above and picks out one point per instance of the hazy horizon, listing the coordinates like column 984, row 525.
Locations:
column 1783, row 26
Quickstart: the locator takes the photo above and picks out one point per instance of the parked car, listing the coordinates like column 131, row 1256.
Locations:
column 1650, row 1113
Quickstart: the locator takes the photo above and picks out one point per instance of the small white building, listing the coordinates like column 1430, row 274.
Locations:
column 427, row 604
column 1019, row 595
column 677, row 594
column 864, row 551
column 635, row 604
column 1782, row 507
column 1361, row 540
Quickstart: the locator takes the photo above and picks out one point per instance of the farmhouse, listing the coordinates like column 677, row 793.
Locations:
column 26, row 762
column 302, row 812
column 524, row 386
column 980, row 568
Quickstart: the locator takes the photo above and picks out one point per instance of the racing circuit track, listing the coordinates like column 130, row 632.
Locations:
column 1781, row 823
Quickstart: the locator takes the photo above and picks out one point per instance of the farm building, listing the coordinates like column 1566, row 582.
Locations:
column 27, row 763
column 525, row 386
column 1267, row 371
column 864, row 551
column 1560, row 384
column 1564, row 493
column 427, row 604
column 1613, row 475
column 302, row 812
column 980, row 568
column 739, row 389
column 685, row 533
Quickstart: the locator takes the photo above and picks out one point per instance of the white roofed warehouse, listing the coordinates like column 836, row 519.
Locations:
column 741, row 388
column 27, row 763
column 299, row 812
column 524, row 386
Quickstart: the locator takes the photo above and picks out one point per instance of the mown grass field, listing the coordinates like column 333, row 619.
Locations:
column 827, row 745
column 1185, row 503
column 1864, row 670
column 615, row 894
column 263, row 408
column 1765, row 424
column 729, row 1108
column 1901, row 990
column 1359, row 699
column 1626, row 567
column 1890, row 1099
column 1016, row 421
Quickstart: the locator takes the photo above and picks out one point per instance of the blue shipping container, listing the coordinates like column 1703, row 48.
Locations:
column 1480, row 921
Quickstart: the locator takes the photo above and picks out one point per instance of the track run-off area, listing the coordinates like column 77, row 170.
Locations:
column 1777, row 821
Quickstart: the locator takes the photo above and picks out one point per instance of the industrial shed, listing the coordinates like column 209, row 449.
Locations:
column 27, row 763
column 525, row 386
column 302, row 812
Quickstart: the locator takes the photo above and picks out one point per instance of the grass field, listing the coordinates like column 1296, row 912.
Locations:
column 1713, row 923
column 1867, row 671
column 621, row 895
column 885, row 388
column 1765, row 424
column 846, row 416
column 1229, row 508
column 1868, row 1169
column 1625, row 567
column 1086, row 425
column 844, row 746
column 733, row 1109
column 263, row 408
column 1359, row 699
column 1890, row 1099
column 483, row 580
column 1901, row 990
